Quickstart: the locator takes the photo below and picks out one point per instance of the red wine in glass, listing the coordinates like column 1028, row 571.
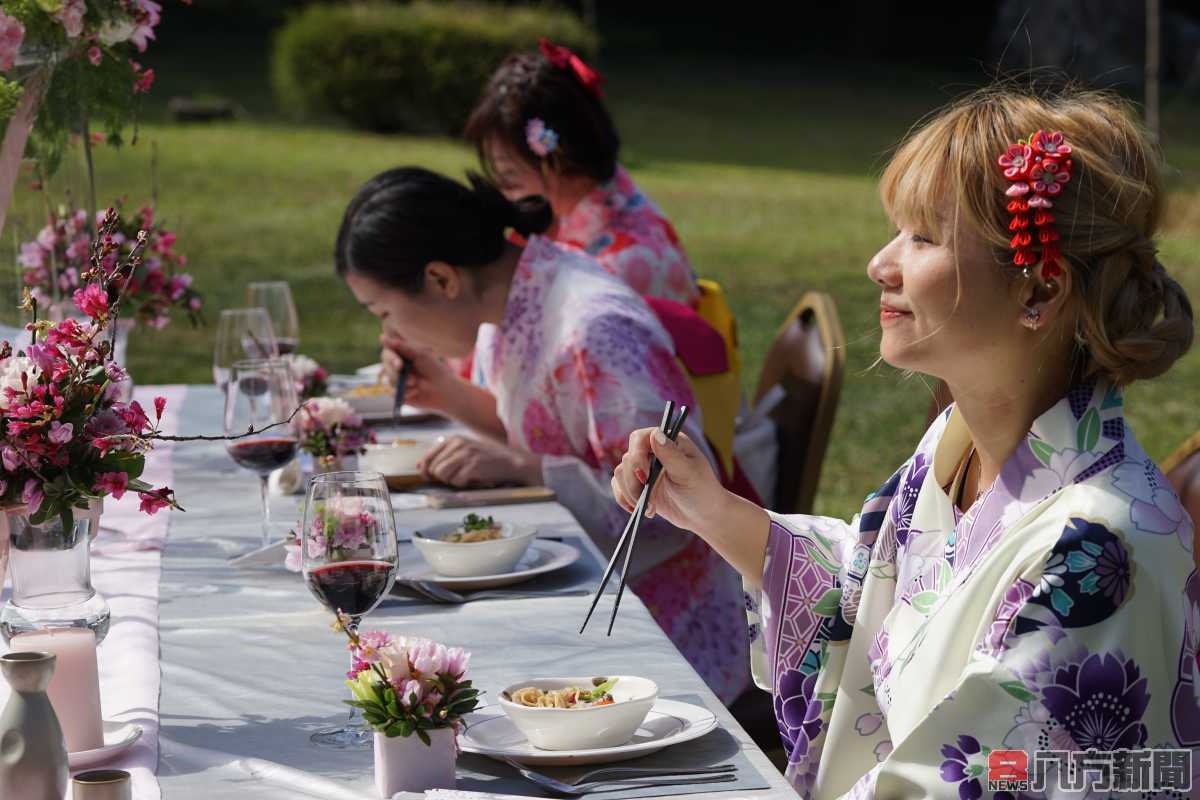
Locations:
column 352, row 587
column 286, row 346
column 263, row 455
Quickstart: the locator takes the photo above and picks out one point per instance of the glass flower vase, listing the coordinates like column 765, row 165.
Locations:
column 51, row 572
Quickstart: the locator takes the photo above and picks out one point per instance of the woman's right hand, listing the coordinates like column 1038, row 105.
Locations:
column 684, row 493
column 430, row 385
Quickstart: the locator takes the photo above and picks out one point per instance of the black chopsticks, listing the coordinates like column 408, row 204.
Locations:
column 671, row 427
column 401, row 388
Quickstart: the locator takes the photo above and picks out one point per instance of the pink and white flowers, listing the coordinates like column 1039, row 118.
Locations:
column 408, row 685
column 329, row 427
column 51, row 265
column 64, row 440
column 312, row 380
column 12, row 33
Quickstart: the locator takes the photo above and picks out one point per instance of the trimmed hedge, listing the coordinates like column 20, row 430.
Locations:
column 417, row 68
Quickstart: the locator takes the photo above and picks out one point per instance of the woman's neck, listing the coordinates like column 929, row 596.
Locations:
column 497, row 282
column 999, row 416
column 568, row 191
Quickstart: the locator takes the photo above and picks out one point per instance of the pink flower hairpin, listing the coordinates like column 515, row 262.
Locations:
column 1037, row 170
column 541, row 140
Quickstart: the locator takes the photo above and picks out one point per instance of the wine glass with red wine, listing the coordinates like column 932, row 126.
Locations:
column 349, row 550
column 260, row 398
column 276, row 298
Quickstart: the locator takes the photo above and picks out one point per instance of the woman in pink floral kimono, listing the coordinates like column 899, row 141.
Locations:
column 576, row 364
column 541, row 128
column 1021, row 591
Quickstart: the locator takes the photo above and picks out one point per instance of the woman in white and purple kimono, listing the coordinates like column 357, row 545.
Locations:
column 1024, row 582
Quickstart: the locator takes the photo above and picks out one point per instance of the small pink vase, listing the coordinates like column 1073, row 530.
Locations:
column 406, row 764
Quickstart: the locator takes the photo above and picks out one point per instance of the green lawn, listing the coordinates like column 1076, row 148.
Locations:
column 768, row 173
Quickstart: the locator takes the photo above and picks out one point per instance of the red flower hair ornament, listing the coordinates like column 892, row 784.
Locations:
column 1037, row 170
column 562, row 58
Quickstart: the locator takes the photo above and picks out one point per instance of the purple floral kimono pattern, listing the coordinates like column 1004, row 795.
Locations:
column 577, row 364
column 1060, row 612
column 619, row 226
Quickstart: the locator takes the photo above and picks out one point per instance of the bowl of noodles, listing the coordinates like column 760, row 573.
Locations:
column 579, row 713
column 475, row 547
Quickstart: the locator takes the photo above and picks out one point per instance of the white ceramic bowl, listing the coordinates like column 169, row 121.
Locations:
column 582, row 728
column 395, row 458
column 472, row 559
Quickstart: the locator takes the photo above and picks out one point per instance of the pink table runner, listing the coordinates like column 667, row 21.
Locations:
column 126, row 564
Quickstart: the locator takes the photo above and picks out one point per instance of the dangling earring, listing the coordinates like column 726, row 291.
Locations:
column 1033, row 316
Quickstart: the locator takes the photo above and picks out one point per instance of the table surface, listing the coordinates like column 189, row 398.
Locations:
column 250, row 666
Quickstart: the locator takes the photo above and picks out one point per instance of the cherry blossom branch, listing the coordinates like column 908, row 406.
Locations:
column 251, row 431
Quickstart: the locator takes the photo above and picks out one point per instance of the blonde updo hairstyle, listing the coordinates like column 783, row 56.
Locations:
column 1133, row 319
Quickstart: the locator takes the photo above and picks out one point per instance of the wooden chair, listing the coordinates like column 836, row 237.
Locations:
column 807, row 359
column 1182, row 469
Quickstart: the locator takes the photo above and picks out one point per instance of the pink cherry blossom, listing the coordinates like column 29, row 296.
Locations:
column 32, row 256
column 95, row 55
column 178, row 285
column 61, row 433
column 71, row 17
column 457, row 660
column 147, row 20
column 92, row 301
column 143, row 81
column 428, row 658
column 160, row 404
column 115, row 373
column 32, row 495
column 12, row 33
column 370, row 645
column 156, row 500
column 113, row 483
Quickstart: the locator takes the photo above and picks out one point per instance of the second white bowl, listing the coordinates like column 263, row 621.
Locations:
column 472, row 559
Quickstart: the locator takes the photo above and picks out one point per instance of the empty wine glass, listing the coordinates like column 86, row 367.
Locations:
column 260, row 399
column 349, row 554
column 276, row 298
column 242, row 334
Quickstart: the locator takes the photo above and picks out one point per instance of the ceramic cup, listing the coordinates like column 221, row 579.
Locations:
column 102, row 784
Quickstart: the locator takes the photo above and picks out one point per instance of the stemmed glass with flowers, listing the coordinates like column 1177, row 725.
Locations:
column 349, row 556
column 260, row 399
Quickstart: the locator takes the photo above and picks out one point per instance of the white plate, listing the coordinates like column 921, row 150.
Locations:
column 118, row 737
column 407, row 414
column 490, row 733
column 542, row 556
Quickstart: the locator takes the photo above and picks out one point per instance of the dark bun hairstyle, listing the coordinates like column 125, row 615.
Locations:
column 528, row 85
column 405, row 218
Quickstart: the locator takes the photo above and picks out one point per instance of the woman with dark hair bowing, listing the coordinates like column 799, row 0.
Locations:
column 541, row 128
column 577, row 363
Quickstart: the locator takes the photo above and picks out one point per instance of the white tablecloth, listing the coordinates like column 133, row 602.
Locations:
column 250, row 667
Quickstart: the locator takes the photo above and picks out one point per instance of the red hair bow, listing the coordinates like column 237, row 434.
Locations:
column 562, row 58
